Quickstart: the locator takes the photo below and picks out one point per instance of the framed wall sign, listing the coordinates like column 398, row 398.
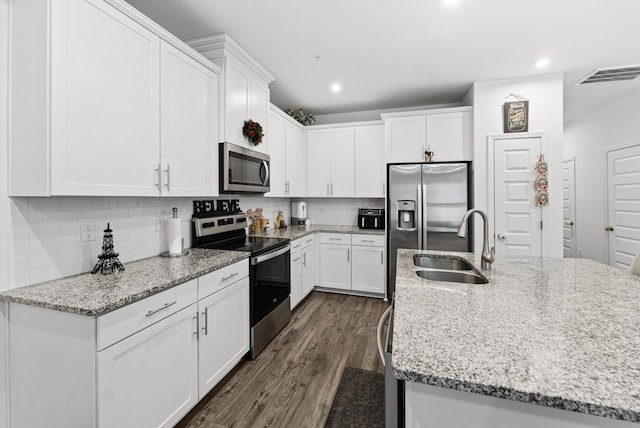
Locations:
column 516, row 116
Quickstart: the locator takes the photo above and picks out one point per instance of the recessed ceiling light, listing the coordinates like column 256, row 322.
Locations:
column 543, row 62
column 336, row 87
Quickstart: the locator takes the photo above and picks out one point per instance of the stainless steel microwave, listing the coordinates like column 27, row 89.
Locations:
column 243, row 170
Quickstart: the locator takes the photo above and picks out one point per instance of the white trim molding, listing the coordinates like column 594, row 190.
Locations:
column 219, row 45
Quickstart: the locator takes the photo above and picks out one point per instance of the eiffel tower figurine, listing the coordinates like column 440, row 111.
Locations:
column 108, row 260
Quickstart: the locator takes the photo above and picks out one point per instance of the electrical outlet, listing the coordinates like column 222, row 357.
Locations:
column 87, row 232
column 159, row 223
column 579, row 253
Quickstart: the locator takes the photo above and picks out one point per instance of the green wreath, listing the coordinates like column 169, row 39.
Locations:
column 253, row 131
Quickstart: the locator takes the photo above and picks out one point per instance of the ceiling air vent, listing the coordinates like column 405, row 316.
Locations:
column 613, row 74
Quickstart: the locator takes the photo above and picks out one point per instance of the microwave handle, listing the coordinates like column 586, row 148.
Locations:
column 265, row 165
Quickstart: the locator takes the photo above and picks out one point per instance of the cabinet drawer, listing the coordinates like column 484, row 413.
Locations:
column 297, row 245
column 115, row 326
column 221, row 278
column 308, row 240
column 369, row 240
column 335, row 238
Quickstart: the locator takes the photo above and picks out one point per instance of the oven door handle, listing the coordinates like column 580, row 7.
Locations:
column 269, row 256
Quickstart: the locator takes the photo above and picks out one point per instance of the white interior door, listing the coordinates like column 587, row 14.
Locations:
column 623, row 173
column 569, row 241
column 517, row 218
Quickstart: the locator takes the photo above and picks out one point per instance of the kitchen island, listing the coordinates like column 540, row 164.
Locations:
column 558, row 333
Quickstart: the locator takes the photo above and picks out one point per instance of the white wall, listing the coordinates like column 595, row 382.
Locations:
column 339, row 211
column 4, row 60
column 588, row 138
column 545, row 95
column 360, row 116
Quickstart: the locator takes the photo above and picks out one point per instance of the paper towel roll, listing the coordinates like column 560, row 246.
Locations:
column 174, row 234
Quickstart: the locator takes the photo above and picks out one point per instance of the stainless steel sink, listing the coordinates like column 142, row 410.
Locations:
column 428, row 261
column 452, row 276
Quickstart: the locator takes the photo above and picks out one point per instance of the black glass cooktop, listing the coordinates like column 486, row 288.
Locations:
column 254, row 245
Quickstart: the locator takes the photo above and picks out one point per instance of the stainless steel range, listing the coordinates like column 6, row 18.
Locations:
column 269, row 269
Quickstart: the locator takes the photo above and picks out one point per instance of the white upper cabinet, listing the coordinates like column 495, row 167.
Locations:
column 447, row 132
column 369, row 161
column 296, row 160
column 405, row 139
column 449, row 136
column 244, row 90
column 288, row 153
column 189, row 125
column 86, row 100
column 331, row 157
column 277, row 154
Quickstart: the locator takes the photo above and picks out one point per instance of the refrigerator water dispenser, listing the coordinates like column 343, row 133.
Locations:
column 406, row 215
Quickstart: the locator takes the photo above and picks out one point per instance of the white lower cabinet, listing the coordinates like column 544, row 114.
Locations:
column 302, row 269
column 224, row 333
column 335, row 261
column 367, row 269
column 352, row 262
column 150, row 379
column 143, row 365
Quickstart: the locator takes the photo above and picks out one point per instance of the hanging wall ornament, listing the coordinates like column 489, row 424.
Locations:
column 542, row 183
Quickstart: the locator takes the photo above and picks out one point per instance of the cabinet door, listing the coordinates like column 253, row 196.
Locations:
column 369, row 161
column 368, row 271
column 277, row 155
column 224, row 333
column 308, row 265
column 296, row 160
column 405, row 139
column 343, row 162
column 259, row 110
column 319, row 162
column 105, row 131
column 150, row 379
column 448, row 136
column 237, row 82
column 189, row 125
column 335, row 266
column 296, row 278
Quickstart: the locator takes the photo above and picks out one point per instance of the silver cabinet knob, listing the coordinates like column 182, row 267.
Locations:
column 502, row 236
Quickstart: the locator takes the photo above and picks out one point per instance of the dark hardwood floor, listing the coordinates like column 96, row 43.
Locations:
column 293, row 381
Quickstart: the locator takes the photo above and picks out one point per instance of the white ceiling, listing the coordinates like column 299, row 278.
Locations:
column 391, row 54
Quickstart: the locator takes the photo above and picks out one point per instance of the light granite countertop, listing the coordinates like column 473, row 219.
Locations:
column 563, row 333
column 94, row 295
column 295, row 232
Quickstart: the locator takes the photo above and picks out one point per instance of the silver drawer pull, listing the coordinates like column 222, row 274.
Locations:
column 335, row 239
column 163, row 307
column 224, row 278
column 295, row 260
column 367, row 240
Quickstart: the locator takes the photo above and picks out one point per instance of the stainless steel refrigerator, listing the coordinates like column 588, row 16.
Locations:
column 425, row 205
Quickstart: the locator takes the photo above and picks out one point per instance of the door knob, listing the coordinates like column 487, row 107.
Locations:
column 502, row 236
column 609, row 228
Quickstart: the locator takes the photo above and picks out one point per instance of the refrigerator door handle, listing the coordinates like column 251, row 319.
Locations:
column 423, row 226
column 418, row 220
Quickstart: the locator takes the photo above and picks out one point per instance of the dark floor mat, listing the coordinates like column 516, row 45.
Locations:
column 359, row 400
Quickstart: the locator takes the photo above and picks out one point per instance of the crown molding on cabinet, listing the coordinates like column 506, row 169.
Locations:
column 152, row 26
column 218, row 45
column 345, row 124
column 425, row 112
column 286, row 117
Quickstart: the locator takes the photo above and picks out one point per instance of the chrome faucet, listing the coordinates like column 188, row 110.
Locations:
column 487, row 256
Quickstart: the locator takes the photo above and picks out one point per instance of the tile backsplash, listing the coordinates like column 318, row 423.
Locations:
column 44, row 234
